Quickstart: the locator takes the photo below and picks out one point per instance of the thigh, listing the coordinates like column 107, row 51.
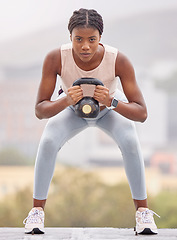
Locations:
column 63, row 126
column 118, row 127
column 123, row 131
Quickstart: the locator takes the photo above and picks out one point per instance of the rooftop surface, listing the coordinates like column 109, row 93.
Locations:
column 85, row 234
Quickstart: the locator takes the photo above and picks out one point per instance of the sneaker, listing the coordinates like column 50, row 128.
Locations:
column 145, row 222
column 34, row 222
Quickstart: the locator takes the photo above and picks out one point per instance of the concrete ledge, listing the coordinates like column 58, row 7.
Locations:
column 85, row 234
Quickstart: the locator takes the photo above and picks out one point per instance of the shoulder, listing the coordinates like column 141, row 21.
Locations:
column 53, row 60
column 53, row 55
column 123, row 64
column 67, row 46
column 110, row 49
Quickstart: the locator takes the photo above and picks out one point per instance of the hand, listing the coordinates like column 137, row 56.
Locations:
column 101, row 94
column 74, row 95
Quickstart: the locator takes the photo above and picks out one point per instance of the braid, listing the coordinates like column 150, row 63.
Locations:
column 86, row 18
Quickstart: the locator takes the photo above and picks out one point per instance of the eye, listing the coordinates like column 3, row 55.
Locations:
column 92, row 39
column 78, row 39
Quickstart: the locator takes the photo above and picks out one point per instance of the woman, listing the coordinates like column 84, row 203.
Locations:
column 87, row 57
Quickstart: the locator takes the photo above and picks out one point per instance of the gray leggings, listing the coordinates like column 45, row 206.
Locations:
column 66, row 125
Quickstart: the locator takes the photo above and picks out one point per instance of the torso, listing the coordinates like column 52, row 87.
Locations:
column 103, row 69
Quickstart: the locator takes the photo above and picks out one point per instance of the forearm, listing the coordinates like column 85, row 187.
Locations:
column 47, row 109
column 132, row 111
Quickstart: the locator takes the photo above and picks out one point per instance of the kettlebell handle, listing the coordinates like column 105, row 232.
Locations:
column 91, row 81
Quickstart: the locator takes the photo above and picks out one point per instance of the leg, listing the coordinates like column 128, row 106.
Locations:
column 123, row 132
column 58, row 130
column 39, row 203
column 140, row 203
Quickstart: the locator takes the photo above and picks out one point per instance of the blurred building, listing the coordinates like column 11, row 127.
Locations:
column 19, row 128
column 20, row 73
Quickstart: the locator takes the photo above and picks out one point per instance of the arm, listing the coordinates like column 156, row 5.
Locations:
column 45, row 108
column 135, row 109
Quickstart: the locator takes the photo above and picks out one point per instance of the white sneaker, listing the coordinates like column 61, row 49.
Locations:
column 145, row 222
column 34, row 222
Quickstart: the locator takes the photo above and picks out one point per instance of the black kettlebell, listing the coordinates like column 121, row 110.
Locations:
column 87, row 107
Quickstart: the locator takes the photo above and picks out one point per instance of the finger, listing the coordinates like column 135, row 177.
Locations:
column 101, row 94
column 100, row 87
column 101, row 97
column 76, row 91
column 78, row 95
column 75, row 88
column 96, row 94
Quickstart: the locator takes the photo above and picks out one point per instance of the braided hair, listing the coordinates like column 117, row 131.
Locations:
column 86, row 18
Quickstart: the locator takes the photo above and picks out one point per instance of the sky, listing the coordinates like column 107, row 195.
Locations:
column 18, row 17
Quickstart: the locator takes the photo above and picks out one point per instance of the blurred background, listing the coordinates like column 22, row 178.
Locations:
column 89, row 187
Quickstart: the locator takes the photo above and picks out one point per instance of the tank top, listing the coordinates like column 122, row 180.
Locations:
column 104, row 72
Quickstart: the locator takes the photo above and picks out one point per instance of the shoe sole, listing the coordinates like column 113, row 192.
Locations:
column 35, row 231
column 146, row 231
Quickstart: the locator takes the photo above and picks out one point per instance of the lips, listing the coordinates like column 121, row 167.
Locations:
column 85, row 54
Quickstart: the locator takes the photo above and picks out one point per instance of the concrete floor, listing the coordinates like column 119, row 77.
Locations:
column 85, row 234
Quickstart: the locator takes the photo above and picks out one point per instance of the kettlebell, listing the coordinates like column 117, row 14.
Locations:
column 87, row 107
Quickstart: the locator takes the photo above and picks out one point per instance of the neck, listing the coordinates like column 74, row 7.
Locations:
column 93, row 63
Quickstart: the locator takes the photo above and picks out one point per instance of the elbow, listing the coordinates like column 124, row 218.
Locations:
column 39, row 116
column 144, row 117
column 38, row 113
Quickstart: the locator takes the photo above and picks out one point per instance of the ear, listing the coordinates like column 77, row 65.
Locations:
column 99, row 38
column 71, row 37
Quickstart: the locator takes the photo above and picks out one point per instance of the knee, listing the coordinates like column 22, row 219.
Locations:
column 48, row 143
column 130, row 143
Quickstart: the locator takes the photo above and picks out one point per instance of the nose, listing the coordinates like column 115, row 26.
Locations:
column 85, row 46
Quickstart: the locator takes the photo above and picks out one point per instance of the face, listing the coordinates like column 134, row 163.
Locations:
column 85, row 43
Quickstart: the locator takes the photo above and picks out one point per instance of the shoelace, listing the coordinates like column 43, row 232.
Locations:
column 33, row 217
column 146, row 216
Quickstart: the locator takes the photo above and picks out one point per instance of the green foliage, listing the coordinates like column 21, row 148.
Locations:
column 12, row 157
column 14, row 208
column 80, row 199
column 165, row 205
